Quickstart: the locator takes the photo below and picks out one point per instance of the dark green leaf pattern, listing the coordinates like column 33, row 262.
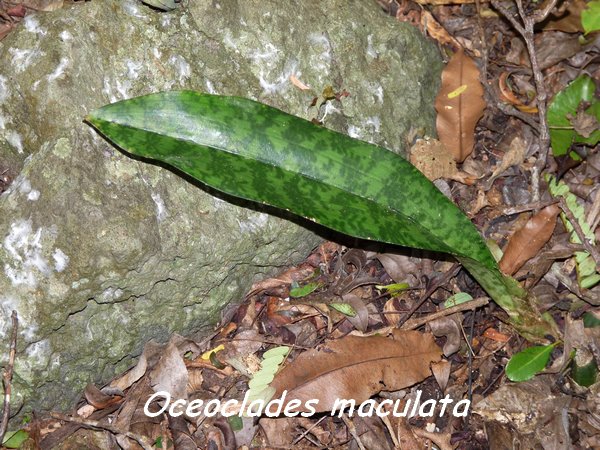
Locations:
column 256, row 152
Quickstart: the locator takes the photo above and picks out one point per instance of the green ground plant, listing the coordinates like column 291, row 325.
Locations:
column 259, row 153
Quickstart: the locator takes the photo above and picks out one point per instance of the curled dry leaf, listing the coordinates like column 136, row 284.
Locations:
column 459, row 105
column 528, row 241
column 450, row 328
column 329, row 372
column 515, row 155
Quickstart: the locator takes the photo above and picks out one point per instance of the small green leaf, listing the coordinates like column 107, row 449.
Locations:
column 276, row 351
column 525, row 364
column 590, row 17
column 457, row 299
column 591, row 320
column 584, row 375
column 158, row 442
column 304, row 290
column 345, row 308
column 565, row 104
column 14, row 439
column 394, row 289
column 236, row 422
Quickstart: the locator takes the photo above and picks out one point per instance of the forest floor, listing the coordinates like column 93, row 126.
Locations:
column 537, row 206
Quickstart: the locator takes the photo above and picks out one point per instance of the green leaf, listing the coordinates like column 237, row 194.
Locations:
column 457, row 299
column 587, row 276
column 525, row 364
column 304, row 290
column 591, row 320
column 584, row 375
column 590, row 17
column 345, row 308
column 394, row 288
column 236, row 422
column 14, row 439
column 565, row 103
column 259, row 153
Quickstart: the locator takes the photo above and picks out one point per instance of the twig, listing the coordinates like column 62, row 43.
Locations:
column 433, row 286
column 104, row 426
column 8, row 374
column 353, row 432
column 413, row 324
column 308, row 430
column 526, row 29
column 386, row 421
column 592, row 250
column 527, row 207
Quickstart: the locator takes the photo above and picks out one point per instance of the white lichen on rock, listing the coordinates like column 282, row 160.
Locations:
column 24, row 247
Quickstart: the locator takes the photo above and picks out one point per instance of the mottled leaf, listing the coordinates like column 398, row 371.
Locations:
column 259, row 153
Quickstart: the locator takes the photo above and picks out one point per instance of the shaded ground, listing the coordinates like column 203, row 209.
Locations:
column 504, row 189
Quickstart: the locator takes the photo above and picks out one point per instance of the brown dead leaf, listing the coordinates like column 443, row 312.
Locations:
column 432, row 159
column 583, row 123
column 437, row 31
column 99, row 399
column 361, row 320
column 330, row 372
column 515, row 155
column 449, row 327
column 569, row 20
column 441, row 372
column 528, row 241
column 459, row 105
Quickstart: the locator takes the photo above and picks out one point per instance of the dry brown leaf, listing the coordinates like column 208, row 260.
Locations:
column 449, row 327
column 361, row 320
column 437, row 31
column 432, row 159
column 570, row 19
column 459, row 105
column 330, row 372
column 528, row 241
column 441, row 372
column 515, row 155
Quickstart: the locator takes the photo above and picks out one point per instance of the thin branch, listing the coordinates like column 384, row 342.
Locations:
column 433, row 286
column 591, row 249
column 526, row 29
column 413, row 324
column 8, row 374
column 104, row 426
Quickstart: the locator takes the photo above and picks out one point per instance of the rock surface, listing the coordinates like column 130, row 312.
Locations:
column 100, row 252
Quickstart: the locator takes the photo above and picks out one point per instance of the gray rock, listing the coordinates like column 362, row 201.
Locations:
column 100, row 253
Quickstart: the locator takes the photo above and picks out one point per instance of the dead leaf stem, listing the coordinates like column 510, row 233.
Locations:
column 413, row 324
column 353, row 431
column 87, row 423
column 434, row 285
column 525, row 28
column 7, row 375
